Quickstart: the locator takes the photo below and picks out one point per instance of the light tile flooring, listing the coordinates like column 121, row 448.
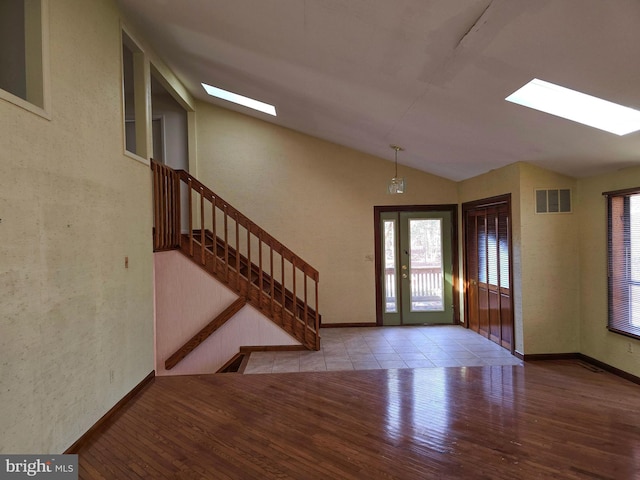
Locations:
column 366, row 348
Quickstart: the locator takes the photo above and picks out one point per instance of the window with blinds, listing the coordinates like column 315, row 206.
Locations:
column 623, row 225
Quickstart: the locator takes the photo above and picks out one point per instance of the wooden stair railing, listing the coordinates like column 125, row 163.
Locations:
column 244, row 257
column 166, row 207
column 279, row 292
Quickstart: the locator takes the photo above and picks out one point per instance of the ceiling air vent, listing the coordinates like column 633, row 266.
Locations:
column 553, row 200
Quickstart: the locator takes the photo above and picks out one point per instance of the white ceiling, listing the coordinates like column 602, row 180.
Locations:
column 429, row 75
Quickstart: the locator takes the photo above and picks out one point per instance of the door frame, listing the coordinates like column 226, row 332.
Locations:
column 451, row 208
column 485, row 203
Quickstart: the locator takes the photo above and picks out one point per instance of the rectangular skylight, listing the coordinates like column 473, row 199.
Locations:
column 578, row 107
column 240, row 99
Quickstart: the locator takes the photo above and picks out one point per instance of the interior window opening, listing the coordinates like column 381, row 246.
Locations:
column 135, row 103
column 21, row 50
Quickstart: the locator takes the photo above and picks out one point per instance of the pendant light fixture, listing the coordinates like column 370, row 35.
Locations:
column 397, row 184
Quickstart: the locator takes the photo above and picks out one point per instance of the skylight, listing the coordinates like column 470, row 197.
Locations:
column 240, row 99
column 578, row 107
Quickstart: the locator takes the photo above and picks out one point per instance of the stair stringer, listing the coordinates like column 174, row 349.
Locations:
column 186, row 299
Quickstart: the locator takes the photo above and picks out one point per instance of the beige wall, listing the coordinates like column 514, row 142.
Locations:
column 545, row 258
column 550, row 268
column 596, row 340
column 315, row 196
column 318, row 197
column 76, row 327
column 265, row 170
column 500, row 182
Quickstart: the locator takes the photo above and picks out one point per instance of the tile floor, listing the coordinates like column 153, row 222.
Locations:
column 365, row 348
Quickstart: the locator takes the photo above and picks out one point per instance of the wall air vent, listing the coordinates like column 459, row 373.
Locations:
column 553, row 200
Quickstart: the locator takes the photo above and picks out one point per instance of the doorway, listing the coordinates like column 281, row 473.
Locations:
column 416, row 261
column 487, row 265
column 169, row 126
column 170, row 135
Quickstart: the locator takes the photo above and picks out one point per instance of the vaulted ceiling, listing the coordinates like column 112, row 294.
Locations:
column 428, row 75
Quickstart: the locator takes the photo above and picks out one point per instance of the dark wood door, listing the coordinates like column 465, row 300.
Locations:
column 488, row 269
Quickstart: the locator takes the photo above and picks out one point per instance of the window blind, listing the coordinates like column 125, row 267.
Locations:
column 623, row 233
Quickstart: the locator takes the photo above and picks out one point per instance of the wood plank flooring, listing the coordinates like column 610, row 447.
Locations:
column 560, row 420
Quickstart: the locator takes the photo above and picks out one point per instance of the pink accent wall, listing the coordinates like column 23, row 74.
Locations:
column 186, row 299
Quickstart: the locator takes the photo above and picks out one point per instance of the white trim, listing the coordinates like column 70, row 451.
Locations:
column 43, row 111
column 140, row 159
column 156, row 72
column 46, row 72
column 141, row 94
column 24, row 104
column 192, row 135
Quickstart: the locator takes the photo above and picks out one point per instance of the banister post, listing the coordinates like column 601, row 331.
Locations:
column 178, row 213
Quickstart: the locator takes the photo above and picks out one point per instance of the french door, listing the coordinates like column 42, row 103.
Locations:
column 415, row 265
column 488, row 297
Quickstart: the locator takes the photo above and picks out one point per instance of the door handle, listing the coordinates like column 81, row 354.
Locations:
column 404, row 275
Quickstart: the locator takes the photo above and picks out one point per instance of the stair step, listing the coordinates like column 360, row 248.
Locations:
column 234, row 364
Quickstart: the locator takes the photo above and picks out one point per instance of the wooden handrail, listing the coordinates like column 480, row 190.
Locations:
column 252, row 227
column 277, row 287
column 205, row 333
column 215, row 240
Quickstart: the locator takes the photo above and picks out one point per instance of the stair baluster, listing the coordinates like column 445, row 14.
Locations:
column 231, row 260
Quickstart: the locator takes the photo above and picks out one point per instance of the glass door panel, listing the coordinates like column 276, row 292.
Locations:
column 426, row 288
column 390, row 270
column 425, row 265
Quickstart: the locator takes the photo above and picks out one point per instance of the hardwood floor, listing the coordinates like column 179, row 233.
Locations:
column 560, row 419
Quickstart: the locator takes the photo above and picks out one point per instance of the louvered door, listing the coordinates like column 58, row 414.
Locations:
column 487, row 269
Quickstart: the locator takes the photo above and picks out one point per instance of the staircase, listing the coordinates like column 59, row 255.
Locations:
column 238, row 253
